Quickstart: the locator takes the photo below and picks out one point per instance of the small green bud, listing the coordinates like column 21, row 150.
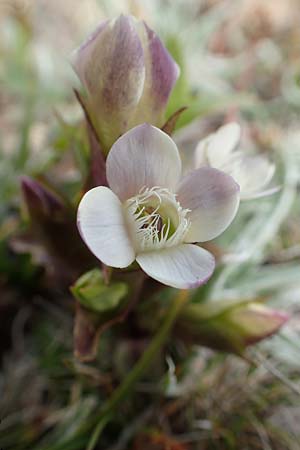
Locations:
column 92, row 292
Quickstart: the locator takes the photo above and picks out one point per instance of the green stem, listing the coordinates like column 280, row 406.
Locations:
column 127, row 385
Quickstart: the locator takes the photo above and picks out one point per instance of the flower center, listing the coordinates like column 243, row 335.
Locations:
column 156, row 219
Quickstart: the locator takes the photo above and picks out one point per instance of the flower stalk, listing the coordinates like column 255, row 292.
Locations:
column 138, row 370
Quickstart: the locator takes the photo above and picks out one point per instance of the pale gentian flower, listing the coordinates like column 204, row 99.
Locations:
column 252, row 172
column 151, row 215
column 128, row 76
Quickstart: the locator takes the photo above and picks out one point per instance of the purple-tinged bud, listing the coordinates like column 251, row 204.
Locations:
column 230, row 328
column 40, row 201
column 53, row 228
column 257, row 322
column 128, row 76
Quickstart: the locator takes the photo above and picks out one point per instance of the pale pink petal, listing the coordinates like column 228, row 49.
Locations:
column 102, row 227
column 213, row 199
column 143, row 157
column 184, row 267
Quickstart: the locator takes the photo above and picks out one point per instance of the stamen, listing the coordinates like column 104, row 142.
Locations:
column 157, row 219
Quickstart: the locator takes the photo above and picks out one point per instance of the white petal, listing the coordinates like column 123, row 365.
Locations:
column 213, row 198
column 102, row 227
column 223, row 143
column 216, row 148
column 260, row 194
column 184, row 267
column 201, row 151
column 143, row 157
column 253, row 174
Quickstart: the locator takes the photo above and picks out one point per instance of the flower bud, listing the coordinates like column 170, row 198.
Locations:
column 91, row 291
column 52, row 226
column 128, row 76
column 233, row 328
column 256, row 322
column 41, row 202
